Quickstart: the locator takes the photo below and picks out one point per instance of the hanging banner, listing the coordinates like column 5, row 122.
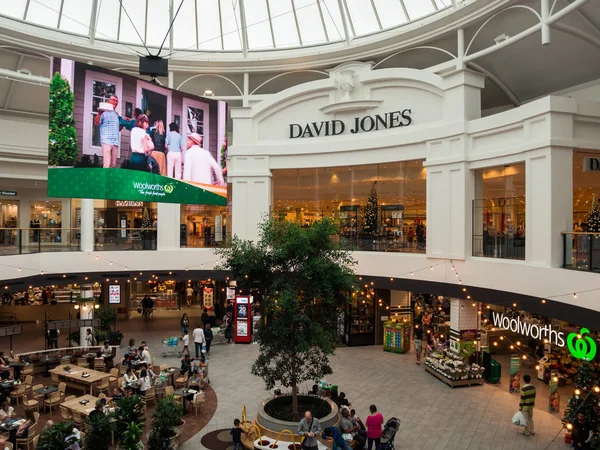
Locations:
column 515, row 374
column 208, row 298
column 554, row 397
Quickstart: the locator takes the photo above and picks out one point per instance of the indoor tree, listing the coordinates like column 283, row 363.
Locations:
column 585, row 400
column 306, row 279
column 62, row 137
column 593, row 218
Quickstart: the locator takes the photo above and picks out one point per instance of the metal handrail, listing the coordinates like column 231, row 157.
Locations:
column 580, row 232
column 274, row 445
column 38, row 229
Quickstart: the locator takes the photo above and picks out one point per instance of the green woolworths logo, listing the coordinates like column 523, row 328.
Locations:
column 584, row 346
column 168, row 188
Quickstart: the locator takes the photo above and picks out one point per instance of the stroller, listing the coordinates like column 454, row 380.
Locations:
column 389, row 433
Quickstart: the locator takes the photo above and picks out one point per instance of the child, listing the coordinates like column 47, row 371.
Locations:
column 185, row 338
column 236, row 432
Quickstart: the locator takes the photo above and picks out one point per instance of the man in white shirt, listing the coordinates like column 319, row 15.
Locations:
column 145, row 354
column 189, row 293
column 199, row 165
column 199, row 339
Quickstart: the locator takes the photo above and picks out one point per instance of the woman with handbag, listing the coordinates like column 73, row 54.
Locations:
column 159, row 139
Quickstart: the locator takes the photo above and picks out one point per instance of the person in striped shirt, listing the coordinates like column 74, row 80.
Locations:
column 526, row 405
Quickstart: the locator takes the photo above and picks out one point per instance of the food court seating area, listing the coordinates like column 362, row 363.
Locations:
column 65, row 384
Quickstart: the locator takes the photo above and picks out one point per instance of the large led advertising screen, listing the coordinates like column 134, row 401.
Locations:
column 117, row 137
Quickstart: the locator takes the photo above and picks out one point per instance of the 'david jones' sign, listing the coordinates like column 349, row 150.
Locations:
column 394, row 119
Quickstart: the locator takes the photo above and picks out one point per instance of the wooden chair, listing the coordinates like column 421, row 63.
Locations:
column 101, row 395
column 122, row 370
column 65, row 413
column 77, row 420
column 52, row 400
column 182, row 381
column 11, row 372
column 27, row 369
column 30, row 404
column 99, row 365
column 170, row 390
column 18, row 392
column 150, row 395
column 36, row 439
column 83, row 362
column 70, row 397
column 39, row 397
column 103, row 386
column 9, row 445
column 198, row 402
column 114, row 375
column 54, row 377
column 28, row 441
column 65, row 362
column 163, row 367
column 28, row 383
column 62, row 388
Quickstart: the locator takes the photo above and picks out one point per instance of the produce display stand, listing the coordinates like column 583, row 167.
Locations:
column 454, row 383
column 396, row 337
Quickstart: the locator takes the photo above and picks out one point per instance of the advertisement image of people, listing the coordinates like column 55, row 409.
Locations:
column 117, row 137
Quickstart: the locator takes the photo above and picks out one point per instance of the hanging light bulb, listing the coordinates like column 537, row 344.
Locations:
column 577, row 392
column 537, row 367
column 495, row 344
column 569, row 426
column 501, row 338
column 76, row 306
column 518, row 342
column 96, row 306
column 412, row 274
column 596, row 389
column 524, row 357
column 575, row 295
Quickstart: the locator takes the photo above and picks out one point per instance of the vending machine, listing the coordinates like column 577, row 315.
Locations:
column 242, row 320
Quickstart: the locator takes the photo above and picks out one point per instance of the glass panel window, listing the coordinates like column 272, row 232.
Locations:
column 43, row 13
column 107, row 22
column 362, row 16
column 204, row 226
column 379, row 207
column 209, row 25
column 333, row 20
column 391, row 14
column 284, row 24
column 418, row 8
column 75, row 16
column 14, row 8
column 134, row 22
column 309, row 20
column 257, row 24
column 184, row 35
column 232, row 25
column 157, row 21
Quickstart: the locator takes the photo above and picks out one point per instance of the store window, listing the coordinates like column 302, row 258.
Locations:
column 379, row 207
column 45, row 221
column 499, row 212
column 121, row 224
column 9, row 220
column 204, row 226
column 581, row 247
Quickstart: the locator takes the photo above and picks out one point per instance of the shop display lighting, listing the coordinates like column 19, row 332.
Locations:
column 96, row 306
column 76, row 306
column 577, row 392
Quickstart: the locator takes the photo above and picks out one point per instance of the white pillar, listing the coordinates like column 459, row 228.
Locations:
column 87, row 225
column 462, row 99
column 169, row 216
column 549, row 204
column 251, row 202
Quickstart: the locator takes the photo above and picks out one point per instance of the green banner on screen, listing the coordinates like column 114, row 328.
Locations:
column 125, row 184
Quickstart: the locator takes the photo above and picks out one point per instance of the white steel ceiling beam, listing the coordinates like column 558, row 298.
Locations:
column 344, row 22
column 377, row 14
column 93, row 19
column 244, row 29
column 296, row 20
column 24, row 77
column 271, row 23
column 322, row 19
column 12, row 84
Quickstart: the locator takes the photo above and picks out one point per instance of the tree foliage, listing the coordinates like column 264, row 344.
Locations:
column 306, row 279
column 62, row 137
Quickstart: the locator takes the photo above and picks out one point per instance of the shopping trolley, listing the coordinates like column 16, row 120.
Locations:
column 218, row 336
column 172, row 344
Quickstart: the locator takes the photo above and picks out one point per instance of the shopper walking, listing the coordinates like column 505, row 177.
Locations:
column 526, row 405
column 199, row 339
column 189, row 295
column 309, row 427
column 208, row 335
column 582, row 433
column 185, row 323
column 228, row 325
column 374, row 426
column 418, row 336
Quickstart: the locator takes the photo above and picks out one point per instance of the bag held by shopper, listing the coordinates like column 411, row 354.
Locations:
column 519, row 419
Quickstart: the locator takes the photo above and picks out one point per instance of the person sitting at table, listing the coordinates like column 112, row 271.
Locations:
column 4, row 376
column 186, row 365
column 4, row 373
column 73, row 439
column 106, row 350
column 99, row 407
column 145, row 354
column 98, row 358
column 22, row 432
column 131, row 348
column 2, row 359
column 3, row 444
column 129, row 379
column 117, row 394
column 6, row 411
column 145, row 381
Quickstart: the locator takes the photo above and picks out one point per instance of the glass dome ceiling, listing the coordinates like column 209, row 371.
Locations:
column 217, row 25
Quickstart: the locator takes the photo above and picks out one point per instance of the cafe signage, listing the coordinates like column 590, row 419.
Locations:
column 516, row 325
column 8, row 193
column 336, row 127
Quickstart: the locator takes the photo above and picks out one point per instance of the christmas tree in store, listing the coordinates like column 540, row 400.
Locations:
column 147, row 232
column 371, row 210
column 593, row 218
column 585, row 400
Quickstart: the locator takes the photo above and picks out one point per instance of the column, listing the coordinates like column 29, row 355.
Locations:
column 476, row 246
column 169, row 217
column 463, row 317
column 24, row 219
column 549, row 204
column 87, row 225
column 251, row 203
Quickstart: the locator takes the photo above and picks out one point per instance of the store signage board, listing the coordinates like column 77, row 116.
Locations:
column 8, row 193
column 336, row 127
column 516, row 325
column 591, row 164
column 128, row 204
column 114, row 294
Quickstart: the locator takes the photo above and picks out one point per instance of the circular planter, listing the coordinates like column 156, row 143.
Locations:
column 179, row 427
column 265, row 420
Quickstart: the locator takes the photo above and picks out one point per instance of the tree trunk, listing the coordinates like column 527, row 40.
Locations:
column 295, row 411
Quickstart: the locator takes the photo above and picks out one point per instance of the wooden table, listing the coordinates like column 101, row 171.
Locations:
column 74, row 377
column 85, row 410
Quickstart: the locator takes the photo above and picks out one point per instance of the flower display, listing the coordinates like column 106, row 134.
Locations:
column 452, row 366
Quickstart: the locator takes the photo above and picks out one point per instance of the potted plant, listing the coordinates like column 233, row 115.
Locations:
column 67, row 368
column 62, row 137
column 99, row 432
column 115, row 337
column 128, row 410
column 57, row 437
column 163, row 434
column 131, row 437
column 73, row 338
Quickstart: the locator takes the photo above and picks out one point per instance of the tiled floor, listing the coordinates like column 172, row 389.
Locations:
column 433, row 415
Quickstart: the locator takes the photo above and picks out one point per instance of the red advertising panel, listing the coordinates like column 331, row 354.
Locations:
column 242, row 320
